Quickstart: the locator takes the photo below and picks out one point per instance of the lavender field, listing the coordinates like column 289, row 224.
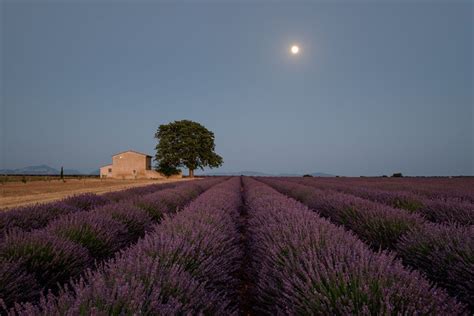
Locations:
column 245, row 246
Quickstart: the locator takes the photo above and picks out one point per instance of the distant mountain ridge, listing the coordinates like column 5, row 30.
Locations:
column 39, row 170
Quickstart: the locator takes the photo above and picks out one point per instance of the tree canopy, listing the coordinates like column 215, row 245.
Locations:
column 185, row 144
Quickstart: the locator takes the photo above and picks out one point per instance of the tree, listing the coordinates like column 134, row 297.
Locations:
column 185, row 144
column 62, row 173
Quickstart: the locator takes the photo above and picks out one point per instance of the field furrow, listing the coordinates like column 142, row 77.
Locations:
column 236, row 246
column 438, row 210
column 445, row 253
column 27, row 218
column 33, row 262
column 187, row 265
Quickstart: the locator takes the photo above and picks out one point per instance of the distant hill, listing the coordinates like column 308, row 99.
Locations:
column 47, row 170
column 72, row 172
column 39, row 170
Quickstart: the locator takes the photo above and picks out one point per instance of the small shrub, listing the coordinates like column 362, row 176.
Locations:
column 97, row 232
column 445, row 253
column 136, row 220
column 397, row 175
column 307, row 176
column 49, row 258
column 23, row 179
column 33, row 217
column 86, row 201
column 16, row 284
column 155, row 208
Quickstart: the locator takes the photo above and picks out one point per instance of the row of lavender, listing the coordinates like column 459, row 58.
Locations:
column 303, row 264
column 187, row 265
column 37, row 216
column 445, row 253
column 459, row 188
column 300, row 263
column 32, row 262
column 439, row 210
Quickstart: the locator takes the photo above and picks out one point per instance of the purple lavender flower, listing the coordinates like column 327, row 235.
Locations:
column 305, row 265
column 136, row 220
column 99, row 233
column 28, row 218
column 16, row 284
column 186, row 266
column 45, row 257
column 86, row 201
column 446, row 254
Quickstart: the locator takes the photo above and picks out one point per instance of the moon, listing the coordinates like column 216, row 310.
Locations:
column 295, row 49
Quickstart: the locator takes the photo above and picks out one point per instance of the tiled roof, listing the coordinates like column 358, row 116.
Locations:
column 133, row 151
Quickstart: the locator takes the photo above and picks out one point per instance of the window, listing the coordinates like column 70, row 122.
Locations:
column 110, row 170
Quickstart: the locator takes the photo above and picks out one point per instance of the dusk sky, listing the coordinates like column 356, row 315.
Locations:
column 375, row 89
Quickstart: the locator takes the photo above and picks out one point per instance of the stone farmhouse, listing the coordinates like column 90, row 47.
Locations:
column 131, row 164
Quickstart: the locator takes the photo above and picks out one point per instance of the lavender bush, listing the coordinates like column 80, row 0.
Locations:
column 37, row 216
column 86, row 201
column 448, row 211
column 438, row 250
column 170, row 200
column 441, row 210
column 135, row 192
column 136, row 220
column 446, row 254
column 379, row 225
column 48, row 259
column 305, row 265
column 16, row 283
column 186, row 266
column 432, row 188
column 28, row 218
column 98, row 232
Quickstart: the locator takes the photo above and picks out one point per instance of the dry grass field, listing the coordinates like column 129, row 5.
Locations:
column 19, row 193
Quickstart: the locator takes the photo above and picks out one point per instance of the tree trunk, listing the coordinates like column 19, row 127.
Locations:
column 191, row 173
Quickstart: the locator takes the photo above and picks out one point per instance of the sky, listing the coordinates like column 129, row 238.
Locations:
column 377, row 88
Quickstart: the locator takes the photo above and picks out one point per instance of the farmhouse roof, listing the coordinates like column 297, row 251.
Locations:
column 133, row 151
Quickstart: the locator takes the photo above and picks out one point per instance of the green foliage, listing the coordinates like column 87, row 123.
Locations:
column 397, row 175
column 407, row 204
column 185, row 144
column 166, row 169
column 86, row 236
column 307, row 176
column 23, row 179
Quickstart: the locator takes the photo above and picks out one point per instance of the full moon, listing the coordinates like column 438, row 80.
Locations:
column 295, row 49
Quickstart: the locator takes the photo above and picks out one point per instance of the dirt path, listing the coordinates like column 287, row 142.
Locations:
column 18, row 193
